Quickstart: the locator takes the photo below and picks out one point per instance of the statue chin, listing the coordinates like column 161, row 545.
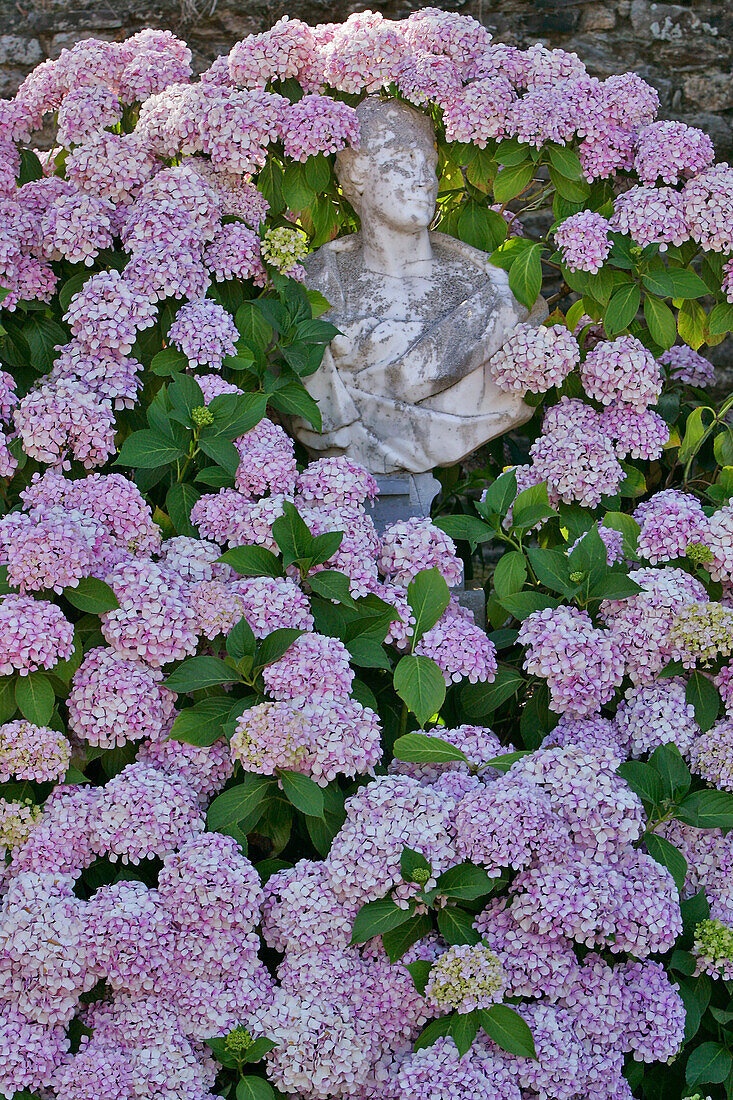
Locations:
column 405, row 387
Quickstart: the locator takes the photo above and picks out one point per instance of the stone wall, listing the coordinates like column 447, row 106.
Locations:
column 684, row 50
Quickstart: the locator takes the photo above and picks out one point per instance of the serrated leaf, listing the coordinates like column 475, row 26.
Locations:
column 465, row 529
column 456, row 925
column 707, row 810
column 303, row 792
column 622, row 308
column 420, row 685
column 464, row 882
column 274, row 645
column 710, row 1063
column 35, row 698
column 199, row 672
column 401, row 939
column 253, row 561
column 241, row 805
column 511, row 180
column 428, row 595
column 704, row 696
column 508, row 1030
column 92, row 595
column 423, row 748
column 660, row 849
column 377, row 917
column 643, row 780
column 332, row 585
column 148, row 449
column 479, row 701
column 525, row 275
column 255, row 1088
column 202, row 724
column 179, row 501
column 510, row 574
column 522, row 604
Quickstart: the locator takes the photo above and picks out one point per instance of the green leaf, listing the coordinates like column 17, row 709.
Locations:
column 234, row 415
column 510, row 574
column 324, row 547
column 223, row 452
column 508, row 1030
column 168, row 362
column 710, row 1063
column 499, row 495
column 463, row 1028
column 707, row 810
column 615, row 586
column 274, row 645
column 465, row 882
column 720, row 319
column 92, row 595
column 420, row 970
column 148, row 449
column 660, row 320
column 332, row 585
column 253, row 561
column 322, row 830
column 7, row 698
column 35, row 698
column 255, row 1088
column 30, row 167
column 479, row 701
column 294, row 399
column 566, row 161
column 525, row 276
column 199, row 672
column 259, row 1048
column 375, row 918
column 695, row 994
column 667, row 761
column 634, row 482
column 293, row 536
column 465, row 529
column 552, row 569
column 411, row 861
column 240, row 806
column 686, row 283
column 590, row 557
column 241, row 641
column 575, row 191
column 428, row 595
column 202, row 724
column 255, row 331
column 456, row 925
column 423, row 748
column 695, row 428
column 723, row 447
column 179, row 501
column 436, row 1029
column 622, row 308
column 644, row 781
column 420, row 685
column 702, row 693
column 691, row 323
column 522, row 604
column 303, row 792
column 511, row 180
column 319, row 304
column 531, row 506
column 660, row 849
column 401, row 939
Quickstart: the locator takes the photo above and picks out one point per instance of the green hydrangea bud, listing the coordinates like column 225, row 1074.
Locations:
column 576, row 577
column 284, row 248
column 421, row 875
column 714, row 941
column 238, row 1041
column 202, row 417
column 699, row 553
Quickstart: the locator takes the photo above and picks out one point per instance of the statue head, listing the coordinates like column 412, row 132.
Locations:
column 392, row 177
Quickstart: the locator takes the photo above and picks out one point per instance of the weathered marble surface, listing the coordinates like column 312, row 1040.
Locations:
column 405, row 386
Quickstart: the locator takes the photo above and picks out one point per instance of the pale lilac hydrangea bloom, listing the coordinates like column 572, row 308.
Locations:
column 637, row 433
column 410, row 545
column 34, row 634
column 114, row 700
column 583, row 240
column 688, row 366
column 669, row 150
column 670, row 521
column 622, row 370
column 28, row 751
column 535, row 359
column 708, row 208
column 205, row 332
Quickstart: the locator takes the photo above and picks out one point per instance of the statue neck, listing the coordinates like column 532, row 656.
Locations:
column 399, row 254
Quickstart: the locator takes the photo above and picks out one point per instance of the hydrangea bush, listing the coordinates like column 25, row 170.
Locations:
column 278, row 817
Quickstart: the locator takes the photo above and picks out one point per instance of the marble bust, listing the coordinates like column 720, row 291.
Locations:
column 405, row 386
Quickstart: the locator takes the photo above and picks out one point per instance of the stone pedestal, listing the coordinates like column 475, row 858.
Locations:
column 402, row 496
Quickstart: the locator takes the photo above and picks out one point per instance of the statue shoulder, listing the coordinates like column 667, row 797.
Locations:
column 322, row 269
column 461, row 252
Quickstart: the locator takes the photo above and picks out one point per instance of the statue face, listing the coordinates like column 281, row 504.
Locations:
column 401, row 186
